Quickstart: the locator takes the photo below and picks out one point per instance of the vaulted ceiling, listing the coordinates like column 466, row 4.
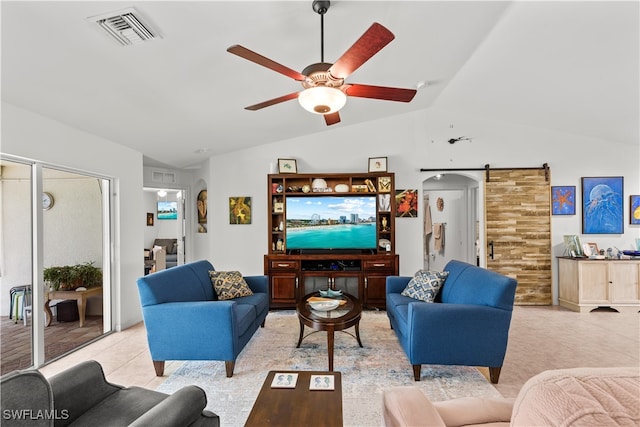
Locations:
column 569, row 66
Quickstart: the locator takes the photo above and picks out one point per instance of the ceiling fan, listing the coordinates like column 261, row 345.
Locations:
column 325, row 91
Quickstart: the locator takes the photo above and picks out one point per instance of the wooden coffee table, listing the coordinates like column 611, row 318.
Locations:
column 298, row 406
column 343, row 317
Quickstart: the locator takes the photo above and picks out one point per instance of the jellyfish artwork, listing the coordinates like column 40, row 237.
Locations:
column 602, row 210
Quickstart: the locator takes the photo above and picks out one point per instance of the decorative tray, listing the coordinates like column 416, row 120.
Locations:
column 324, row 305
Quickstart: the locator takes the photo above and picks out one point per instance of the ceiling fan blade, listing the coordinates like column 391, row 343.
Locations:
column 379, row 92
column 374, row 39
column 252, row 56
column 273, row 101
column 332, row 118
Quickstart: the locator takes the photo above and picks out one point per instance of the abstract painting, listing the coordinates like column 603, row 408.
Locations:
column 239, row 210
column 407, row 203
column 602, row 205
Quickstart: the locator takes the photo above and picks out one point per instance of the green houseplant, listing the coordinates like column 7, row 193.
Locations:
column 71, row 277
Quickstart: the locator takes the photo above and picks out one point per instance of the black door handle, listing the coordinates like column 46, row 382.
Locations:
column 491, row 251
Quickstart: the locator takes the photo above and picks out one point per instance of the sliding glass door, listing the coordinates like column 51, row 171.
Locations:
column 55, row 243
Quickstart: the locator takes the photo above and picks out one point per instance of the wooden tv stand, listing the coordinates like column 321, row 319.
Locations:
column 364, row 276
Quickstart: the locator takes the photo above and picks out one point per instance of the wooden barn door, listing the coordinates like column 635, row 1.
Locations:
column 518, row 230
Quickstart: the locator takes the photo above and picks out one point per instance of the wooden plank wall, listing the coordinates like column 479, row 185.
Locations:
column 518, row 221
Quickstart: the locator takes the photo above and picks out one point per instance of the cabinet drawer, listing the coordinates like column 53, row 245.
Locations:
column 284, row 265
column 383, row 264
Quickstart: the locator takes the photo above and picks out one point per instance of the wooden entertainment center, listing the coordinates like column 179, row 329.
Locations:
column 361, row 272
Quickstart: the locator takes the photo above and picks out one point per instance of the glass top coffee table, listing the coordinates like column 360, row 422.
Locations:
column 347, row 315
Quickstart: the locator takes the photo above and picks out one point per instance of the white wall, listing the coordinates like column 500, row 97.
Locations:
column 31, row 136
column 412, row 141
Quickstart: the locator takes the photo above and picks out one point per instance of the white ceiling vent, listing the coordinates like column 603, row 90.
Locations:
column 125, row 26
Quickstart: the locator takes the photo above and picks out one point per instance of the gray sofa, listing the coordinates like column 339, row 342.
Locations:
column 171, row 249
column 81, row 396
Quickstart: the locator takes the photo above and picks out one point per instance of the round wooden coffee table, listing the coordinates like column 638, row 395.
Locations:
column 343, row 317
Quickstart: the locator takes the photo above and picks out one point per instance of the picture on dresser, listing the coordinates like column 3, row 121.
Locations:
column 602, row 205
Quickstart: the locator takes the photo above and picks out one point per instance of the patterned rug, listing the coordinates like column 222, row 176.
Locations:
column 365, row 371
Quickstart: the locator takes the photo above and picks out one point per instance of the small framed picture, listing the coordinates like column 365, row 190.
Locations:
column 287, row 166
column 384, row 184
column 377, row 164
column 239, row 210
column 563, row 200
column 593, row 249
column 634, row 206
column 149, row 219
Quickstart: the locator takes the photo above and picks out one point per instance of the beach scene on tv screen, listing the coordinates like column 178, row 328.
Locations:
column 331, row 222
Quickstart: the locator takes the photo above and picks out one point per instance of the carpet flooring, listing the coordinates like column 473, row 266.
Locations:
column 365, row 371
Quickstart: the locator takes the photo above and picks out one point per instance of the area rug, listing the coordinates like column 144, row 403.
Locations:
column 365, row 371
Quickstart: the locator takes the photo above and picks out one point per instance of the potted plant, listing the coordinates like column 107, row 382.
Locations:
column 70, row 277
column 88, row 274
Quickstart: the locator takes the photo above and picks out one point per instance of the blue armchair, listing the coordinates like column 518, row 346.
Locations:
column 467, row 324
column 185, row 320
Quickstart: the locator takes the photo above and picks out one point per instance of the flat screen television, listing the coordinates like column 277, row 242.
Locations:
column 325, row 223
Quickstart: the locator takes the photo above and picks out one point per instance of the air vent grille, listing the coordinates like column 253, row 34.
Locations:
column 125, row 26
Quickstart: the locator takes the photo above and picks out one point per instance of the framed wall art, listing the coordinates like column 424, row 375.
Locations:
column 287, row 166
column 149, row 219
column 167, row 210
column 634, row 209
column 602, row 205
column 407, row 203
column 563, row 200
column 377, row 164
column 239, row 210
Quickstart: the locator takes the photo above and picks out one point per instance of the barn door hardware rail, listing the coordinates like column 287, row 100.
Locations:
column 487, row 170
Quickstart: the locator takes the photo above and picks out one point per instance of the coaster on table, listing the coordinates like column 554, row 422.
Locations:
column 284, row 380
column 321, row 382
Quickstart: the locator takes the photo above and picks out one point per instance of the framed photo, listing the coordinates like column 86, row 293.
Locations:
column 239, row 210
column 149, row 219
column 591, row 249
column 602, row 206
column 167, row 210
column 287, row 166
column 634, row 209
column 563, row 200
column 573, row 247
column 377, row 164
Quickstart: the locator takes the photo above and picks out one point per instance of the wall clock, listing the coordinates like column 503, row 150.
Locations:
column 47, row 201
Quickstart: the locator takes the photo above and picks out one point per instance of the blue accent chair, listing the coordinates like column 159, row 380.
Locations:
column 468, row 324
column 185, row 320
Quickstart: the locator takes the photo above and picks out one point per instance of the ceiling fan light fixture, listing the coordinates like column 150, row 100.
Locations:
column 322, row 99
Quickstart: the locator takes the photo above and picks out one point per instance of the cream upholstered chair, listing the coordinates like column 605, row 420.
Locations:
column 573, row 396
